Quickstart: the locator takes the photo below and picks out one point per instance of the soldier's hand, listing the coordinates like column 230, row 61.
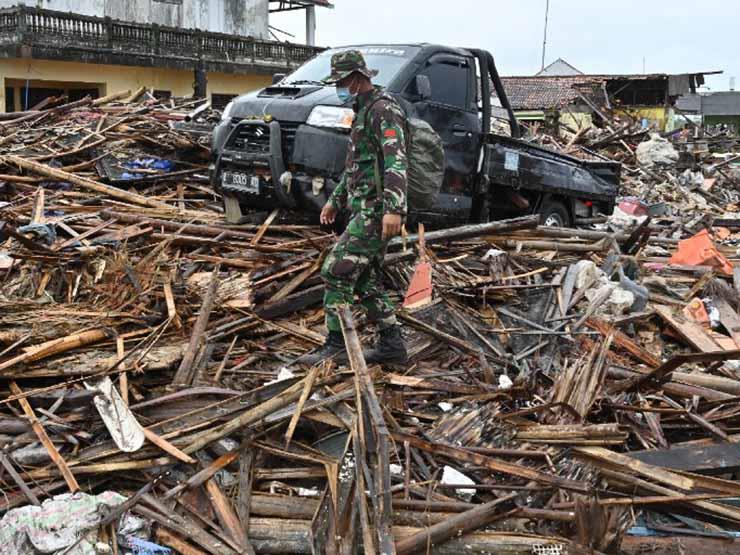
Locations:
column 328, row 214
column 391, row 226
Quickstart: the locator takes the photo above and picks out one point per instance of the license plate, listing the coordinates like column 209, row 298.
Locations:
column 248, row 183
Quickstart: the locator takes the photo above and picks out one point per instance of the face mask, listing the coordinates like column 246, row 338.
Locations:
column 344, row 94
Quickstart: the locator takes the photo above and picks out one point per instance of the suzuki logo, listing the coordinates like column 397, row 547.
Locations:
column 259, row 132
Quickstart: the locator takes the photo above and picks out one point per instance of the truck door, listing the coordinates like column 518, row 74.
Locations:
column 452, row 111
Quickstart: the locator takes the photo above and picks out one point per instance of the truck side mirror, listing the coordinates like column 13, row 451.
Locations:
column 423, row 87
column 277, row 77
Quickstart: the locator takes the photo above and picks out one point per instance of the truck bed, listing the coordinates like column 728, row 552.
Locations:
column 518, row 164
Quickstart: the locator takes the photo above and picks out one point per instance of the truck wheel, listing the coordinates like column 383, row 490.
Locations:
column 554, row 214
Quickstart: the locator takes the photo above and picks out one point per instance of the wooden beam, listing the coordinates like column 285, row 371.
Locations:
column 458, row 524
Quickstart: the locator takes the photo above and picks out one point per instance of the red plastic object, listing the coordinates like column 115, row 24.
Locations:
column 419, row 292
column 634, row 207
column 420, row 288
column 700, row 251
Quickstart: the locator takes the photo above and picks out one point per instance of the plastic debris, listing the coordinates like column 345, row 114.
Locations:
column 57, row 524
column 699, row 250
column 450, row 476
column 657, row 151
column 504, row 382
column 46, row 232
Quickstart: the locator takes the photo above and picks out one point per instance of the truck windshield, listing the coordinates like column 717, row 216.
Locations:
column 388, row 60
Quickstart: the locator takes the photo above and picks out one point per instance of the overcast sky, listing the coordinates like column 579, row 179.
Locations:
column 596, row 36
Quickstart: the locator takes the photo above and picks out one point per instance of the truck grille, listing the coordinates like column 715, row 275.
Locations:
column 288, row 132
column 254, row 138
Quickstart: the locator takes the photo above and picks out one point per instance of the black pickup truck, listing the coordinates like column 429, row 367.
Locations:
column 285, row 145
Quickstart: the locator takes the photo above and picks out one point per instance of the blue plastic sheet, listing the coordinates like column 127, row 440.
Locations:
column 146, row 164
column 143, row 547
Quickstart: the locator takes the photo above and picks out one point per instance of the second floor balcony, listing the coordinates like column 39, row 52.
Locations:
column 45, row 34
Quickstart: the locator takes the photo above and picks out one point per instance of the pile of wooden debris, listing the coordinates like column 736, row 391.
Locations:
column 569, row 391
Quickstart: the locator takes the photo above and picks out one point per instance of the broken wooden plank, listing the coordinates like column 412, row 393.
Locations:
column 458, row 524
column 38, row 429
column 167, row 447
column 695, row 456
column 310, row 379
column 491, row 463
column 184, row 375
column 620, row 461
column 226, row 515
column 690, row 331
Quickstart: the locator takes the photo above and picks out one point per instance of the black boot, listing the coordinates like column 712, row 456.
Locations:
column 333, row 347
column 389, row 348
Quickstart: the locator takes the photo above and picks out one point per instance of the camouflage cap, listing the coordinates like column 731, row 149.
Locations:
column 345, row 63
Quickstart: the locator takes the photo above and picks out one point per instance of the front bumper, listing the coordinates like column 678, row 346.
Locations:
column 298, row 165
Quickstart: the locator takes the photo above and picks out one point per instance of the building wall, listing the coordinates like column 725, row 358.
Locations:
column 726, row 103
column 573, row 118
column 110, row 79
column 656, row 116
column 576, row 120
column 247, row 18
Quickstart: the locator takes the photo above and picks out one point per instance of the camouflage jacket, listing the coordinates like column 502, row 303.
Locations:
column 357, row 190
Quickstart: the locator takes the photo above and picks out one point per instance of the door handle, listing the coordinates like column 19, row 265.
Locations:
column 459, row 131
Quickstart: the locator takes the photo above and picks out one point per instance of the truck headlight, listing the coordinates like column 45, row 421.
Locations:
column 227, row 111
column 331, row 116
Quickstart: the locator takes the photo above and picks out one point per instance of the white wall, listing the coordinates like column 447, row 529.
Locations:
column 235, row 17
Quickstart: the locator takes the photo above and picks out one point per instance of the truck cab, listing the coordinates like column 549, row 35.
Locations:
column 285, row 145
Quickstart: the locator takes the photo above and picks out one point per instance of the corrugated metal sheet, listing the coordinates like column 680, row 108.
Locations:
column 690, row 103
column 721, row 104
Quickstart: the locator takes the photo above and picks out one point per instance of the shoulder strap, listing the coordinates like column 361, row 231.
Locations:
column 374, row 139
column 376, row 144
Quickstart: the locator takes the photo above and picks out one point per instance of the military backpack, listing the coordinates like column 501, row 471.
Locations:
column 425, row 157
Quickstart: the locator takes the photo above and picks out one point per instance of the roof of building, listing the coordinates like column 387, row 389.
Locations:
column 545, row 92
column 559, row 68
column 537, row 93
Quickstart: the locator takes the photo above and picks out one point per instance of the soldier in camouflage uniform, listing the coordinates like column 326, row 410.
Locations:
column 373, row 190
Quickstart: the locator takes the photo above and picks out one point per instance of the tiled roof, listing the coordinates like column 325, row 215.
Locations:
column 539, row 93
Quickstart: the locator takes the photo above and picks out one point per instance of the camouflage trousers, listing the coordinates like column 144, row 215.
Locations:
column 353, row 267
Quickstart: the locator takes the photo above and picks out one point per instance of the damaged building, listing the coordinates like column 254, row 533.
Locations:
column 714, row 109
column 575, row 99
column 99, row 47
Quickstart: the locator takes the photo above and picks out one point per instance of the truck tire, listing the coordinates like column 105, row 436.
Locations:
column 554, row 214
